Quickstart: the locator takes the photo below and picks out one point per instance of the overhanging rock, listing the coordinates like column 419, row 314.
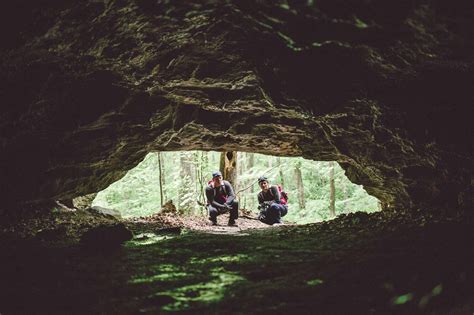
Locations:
column 88, row 88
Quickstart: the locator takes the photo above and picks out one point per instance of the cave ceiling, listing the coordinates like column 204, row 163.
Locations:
column 382, row 87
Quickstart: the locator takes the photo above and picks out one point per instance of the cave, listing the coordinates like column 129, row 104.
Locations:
column 382, row 87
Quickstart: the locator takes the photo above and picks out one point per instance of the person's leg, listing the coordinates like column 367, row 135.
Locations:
column 234, row 212
column 273, row 213
column 212, row 214
column 283, row 210
column 263, row 216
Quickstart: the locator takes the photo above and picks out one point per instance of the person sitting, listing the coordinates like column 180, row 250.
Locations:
column 271, row 204
column 221, row 199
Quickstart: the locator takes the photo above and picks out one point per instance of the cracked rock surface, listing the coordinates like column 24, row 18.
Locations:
column 88, row 88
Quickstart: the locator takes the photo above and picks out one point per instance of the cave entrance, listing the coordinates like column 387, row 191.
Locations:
column 317, row 190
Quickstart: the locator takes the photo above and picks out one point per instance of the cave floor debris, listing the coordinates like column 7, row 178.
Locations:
column 354, row 264
column 161, row 222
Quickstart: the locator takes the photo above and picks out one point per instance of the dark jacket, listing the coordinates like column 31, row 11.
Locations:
column 218, row 196
column 272, row 194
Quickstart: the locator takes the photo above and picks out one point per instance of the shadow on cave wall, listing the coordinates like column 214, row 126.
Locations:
column 89, row 88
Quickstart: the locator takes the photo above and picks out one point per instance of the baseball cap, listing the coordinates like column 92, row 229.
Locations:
column 216, row 173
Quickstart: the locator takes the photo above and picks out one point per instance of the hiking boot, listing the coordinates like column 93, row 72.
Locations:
column 232, row 223
column 213, row 221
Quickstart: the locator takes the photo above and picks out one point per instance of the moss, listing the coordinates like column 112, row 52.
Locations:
column 314, row 282
column 204, row 292
column 219, row 259
column 402, row 299
column 159, row 277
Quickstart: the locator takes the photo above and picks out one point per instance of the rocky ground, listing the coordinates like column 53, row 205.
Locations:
column 359, row 263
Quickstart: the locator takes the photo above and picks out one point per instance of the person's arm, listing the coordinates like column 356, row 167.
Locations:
column 230, row 192
column 210, row 198
column 260, row 198
column 276, row 194
column 261, row 202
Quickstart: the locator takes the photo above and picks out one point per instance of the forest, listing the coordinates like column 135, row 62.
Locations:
column 317, row 190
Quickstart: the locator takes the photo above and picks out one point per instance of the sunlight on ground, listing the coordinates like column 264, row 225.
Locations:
column 314, row 282
column 204, row 292
column 210, row 288
column 233, row 258
column 147, row 239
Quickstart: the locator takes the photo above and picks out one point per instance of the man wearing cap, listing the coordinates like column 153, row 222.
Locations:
column 271, row 204
column 220, row 199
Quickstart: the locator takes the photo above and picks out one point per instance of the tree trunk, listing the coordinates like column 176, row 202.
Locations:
column 345, row 195
column 228, row 167
column 160, row 171
column 300, row 186
column 280, row 172
column 204, row 160
column 250, row 165
column 187, row 193
column 332, row 191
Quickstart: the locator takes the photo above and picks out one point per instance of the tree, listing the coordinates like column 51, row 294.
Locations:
column 250, row 165
column 344, row 196
column 186, row 190
column 332, row 191
column 299, row 185
column 160, row 171
column 228, row 167
column 280, row 172
column 202, row 168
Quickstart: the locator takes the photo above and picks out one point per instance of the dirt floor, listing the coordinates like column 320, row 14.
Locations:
column 355, row 264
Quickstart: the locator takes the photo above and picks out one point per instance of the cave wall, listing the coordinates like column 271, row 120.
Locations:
column 383, row 87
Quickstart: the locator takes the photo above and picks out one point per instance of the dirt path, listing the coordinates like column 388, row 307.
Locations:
column 359, row 264
column 197, row 223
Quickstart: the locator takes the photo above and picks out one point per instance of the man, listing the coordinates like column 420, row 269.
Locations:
column 271, row 204
column 220, row 199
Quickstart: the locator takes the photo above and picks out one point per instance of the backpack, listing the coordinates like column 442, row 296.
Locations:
column 283, row 195
column 224, row 196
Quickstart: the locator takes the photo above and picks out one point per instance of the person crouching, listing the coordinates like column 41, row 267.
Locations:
column 271, row 204
column 221, row 199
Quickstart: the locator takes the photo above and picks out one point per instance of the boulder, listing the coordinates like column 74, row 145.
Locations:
column 111, row 213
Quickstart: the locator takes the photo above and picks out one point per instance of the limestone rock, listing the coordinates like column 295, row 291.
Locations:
column 105, row 211
column 84, row 202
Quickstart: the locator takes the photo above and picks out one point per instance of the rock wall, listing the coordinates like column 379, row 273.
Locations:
column 88, row 88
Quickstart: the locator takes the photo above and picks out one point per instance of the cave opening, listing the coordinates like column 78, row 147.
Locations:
column 88, row 88
column 316, row 190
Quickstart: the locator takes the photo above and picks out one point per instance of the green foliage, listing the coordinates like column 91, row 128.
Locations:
column 402, row 299
column 137, row 193
column 314, row 282
column 315, row 174
column 185, row 175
